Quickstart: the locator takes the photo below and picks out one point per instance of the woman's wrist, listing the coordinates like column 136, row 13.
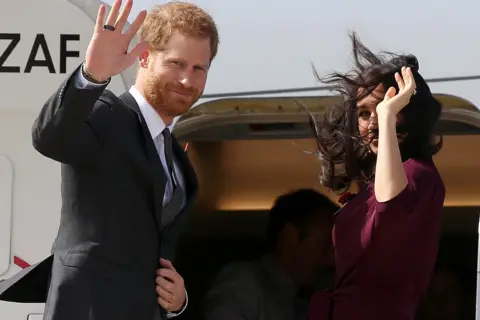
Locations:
column 387, row 118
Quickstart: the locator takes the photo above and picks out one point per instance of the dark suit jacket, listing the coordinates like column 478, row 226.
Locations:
column 110, row 240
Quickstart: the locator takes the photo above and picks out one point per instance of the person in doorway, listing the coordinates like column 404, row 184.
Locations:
column 386, row 236
column 446, row 298
column 299, row 246
column 126, row 183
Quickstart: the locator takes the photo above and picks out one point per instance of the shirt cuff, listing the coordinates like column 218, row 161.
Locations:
column 82, row 83
column 172, row 314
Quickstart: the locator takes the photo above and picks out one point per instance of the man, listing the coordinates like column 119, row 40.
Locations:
column 299, row 242
column 126, row 184
column 446, row 299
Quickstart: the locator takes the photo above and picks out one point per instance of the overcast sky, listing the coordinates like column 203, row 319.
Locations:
column 269, row 44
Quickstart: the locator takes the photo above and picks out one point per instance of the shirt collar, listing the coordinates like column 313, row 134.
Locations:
column 154, row 122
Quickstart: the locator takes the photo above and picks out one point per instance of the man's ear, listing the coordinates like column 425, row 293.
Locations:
column 290, row 235
column 144, row 58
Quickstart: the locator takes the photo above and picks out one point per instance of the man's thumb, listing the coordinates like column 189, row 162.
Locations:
column 166, row 264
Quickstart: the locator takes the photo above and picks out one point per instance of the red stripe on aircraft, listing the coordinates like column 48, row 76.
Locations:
column 20, row 262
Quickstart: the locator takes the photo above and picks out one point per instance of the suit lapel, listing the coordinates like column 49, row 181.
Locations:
column 159, row 178
column 156, row 169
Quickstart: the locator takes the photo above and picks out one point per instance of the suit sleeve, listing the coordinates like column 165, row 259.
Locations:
column 70, row 125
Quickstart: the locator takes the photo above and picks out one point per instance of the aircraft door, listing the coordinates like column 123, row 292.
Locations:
column 6, row 195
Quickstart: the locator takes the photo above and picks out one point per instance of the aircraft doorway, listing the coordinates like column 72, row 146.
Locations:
column 6, row 194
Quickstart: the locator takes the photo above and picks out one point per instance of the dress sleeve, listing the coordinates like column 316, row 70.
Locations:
column 422, row 181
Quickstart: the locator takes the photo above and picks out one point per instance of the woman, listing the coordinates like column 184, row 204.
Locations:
column 386, row 237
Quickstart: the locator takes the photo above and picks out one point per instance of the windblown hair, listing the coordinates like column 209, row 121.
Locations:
column 344, row 153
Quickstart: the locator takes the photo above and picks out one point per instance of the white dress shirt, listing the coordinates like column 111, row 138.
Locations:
column 253, row 290
column 155, row 126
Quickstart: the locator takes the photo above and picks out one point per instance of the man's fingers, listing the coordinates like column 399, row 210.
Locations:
column 164, row 294
column 167, row 264
column 136, row 24
column 165, row 284
column 122, row 18
column 100, row 19
column 112, row 16
column 164, row 304
column 171, row 275
column 137, row 50
column 168, row 282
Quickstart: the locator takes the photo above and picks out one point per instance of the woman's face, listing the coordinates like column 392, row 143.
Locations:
column 367, row 117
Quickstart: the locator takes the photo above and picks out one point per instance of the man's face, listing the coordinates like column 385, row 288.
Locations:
column 313, row 253
column 176, row 76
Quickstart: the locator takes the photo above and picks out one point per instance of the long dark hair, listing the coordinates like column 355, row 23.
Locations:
column 345, row 155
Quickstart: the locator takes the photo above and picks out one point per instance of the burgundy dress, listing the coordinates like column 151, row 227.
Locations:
column 385, row 252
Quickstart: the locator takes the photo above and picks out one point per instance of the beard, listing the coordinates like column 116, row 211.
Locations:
column 170, row 99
